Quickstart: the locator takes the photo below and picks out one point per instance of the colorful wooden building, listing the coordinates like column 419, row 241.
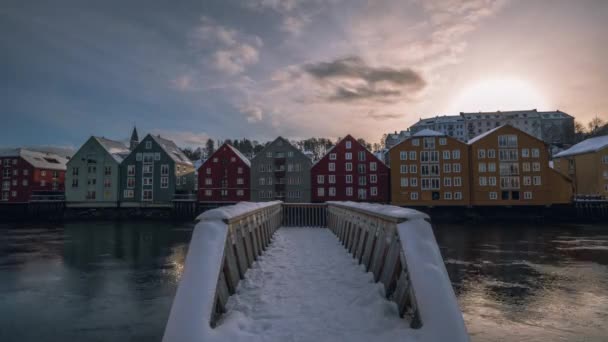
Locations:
column 93, row 175
column 27, row 173
column 349, row 172
column 587, row 164
column 154, row 172
column 511, row 167
column 430, row 169
column 280, row 172
column 224, row 177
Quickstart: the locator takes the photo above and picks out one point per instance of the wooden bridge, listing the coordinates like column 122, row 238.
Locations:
column 278, row 272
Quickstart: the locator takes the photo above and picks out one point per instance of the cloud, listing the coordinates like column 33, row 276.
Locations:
column 184, row 138
column 253, row 113
column 294, row 24
column 232, row 50
column 383, row 116
column 350, row 79
column 183, row 82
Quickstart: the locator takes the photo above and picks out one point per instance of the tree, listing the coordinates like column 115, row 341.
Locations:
column 383, row 140
column 579, row 128
column 365, row 143
column 209, row 147
column 595, row 124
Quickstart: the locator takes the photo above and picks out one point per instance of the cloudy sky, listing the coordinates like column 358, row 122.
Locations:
column 189, row 69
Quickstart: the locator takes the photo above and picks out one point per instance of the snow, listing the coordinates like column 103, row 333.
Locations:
column 232, row 211
column 37, row 159
column 586, row 146
column 483, row 135
column 172, row 150
column 439, row 311
column 116, row 149
column 306, row 287
column 392, row 211
column 240, row 155
column 428, row 133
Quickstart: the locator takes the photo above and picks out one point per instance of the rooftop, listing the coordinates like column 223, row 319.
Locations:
column 586, row 146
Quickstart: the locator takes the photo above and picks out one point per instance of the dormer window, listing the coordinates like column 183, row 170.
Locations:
column 148, row 145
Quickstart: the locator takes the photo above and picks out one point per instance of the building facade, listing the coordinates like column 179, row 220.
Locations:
column 393, row 139
column 450, row 125
column 430, row 169
column 154, row 172
column 511, row 167
column 280, row 172
column 93, row 174
column 349, row 172
column 224, row 177
column 587, row 164
column 26, row 173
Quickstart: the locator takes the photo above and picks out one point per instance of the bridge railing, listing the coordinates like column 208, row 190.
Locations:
column 224, row 244
column 398, row 246
column 304, row 215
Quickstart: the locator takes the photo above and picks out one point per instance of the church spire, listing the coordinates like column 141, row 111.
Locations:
column 134, row 139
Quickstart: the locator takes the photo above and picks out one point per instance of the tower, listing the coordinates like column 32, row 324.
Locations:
column 134, row 139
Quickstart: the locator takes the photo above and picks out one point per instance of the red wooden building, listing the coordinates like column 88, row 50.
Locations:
column 224, row 177
column 349, row 172
column 26, row 172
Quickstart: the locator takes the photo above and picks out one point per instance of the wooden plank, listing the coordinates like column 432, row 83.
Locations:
column 231, row 268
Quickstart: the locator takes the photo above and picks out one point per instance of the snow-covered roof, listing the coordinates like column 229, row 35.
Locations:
column 116, row 149
column 428, row 133
column 499, row 113
column 39, row 160
column 483, row 135
column 586, row 146
column 240, row 155
column 172, row 150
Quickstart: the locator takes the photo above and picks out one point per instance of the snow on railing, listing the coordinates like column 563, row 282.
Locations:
column 398, row 246
column 224, row 244
column 304, row 215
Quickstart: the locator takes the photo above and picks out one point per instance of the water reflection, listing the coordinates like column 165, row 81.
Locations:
column 529, row 283
column 89, row 281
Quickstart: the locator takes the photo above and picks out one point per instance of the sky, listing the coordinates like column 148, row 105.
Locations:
column 192, row 70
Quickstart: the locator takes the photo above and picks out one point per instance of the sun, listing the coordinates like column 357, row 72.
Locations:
column 498, row 94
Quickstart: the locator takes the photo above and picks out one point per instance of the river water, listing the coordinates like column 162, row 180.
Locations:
column 116, row 281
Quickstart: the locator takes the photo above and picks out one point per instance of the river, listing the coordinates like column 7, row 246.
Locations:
column 115, row 281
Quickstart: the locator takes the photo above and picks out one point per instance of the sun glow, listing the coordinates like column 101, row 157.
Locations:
column 498, row 94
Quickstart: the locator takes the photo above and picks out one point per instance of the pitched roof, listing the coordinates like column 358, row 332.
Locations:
column 483, row 135
column 37, row 159
column 240, row 155
column 274, row 141
column 116, row 149
column 428, row 133
column 172, row 150
column 134, row 135
column 585, row 146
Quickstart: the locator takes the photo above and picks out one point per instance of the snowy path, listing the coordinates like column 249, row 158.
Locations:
column 306, row 287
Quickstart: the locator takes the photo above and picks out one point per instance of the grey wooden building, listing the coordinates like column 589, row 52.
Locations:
column 280, row 172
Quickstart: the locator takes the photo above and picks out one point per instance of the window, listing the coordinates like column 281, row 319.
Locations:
column 75, row 171
column 320, row 192
column 348, row 156
column 404, row 182
column 240, row 192
column 492, row 181
column 443, row 141
column 605, row 159
column 373, row 191
column 362, row 180
column 148, row 145
column 130, row 182
column 447, row 195
column 457, row 181
column 491, row 167
column 535, row 153
column 458, row 195
column 147, row 195
column 413, row 168
column 491, row 153
column 414, row 181
column 536, row 180
column 504, row 195
column 373, row 179
column 208, row 192
column 412, row 155
column 164, row 182
column 320, row 179
column 332, row 166
column 332, row 156
column 6, row 172
column 507, row 140
column 481, row 153
column 507, row 155
column 525, row 167
column 131, row 170
column 25, row 182
column 361, row 155
column 268, row 154
column 349, row 179
column 14, row 193
column 157, row 156
column 527, row 180
column 525, row 153
column 493, row 195
column 15, row 182
column 290, row 154
column 43, row 173
column 6, row 162
column 138, row 157
column 509, row 182
column 348, row 166
column 413, row 196
column 74, row 182
column 483, row 181
column 6, row 185
column 403, row 155
column 332, row 179
column 107, row 183
column 92, row 181
column 262, row 181
column 26, row 172
column 164, row 169
column 403, row 168
column 349, row 191
column 240, row 181
column 528, row 195
column 447, row 181
column 373, row 166
column 447, row 168
column 361, row 168
column 456, row 154
column 536, row 167
column 482, row 167
column 509, row 169
column 147, row 181
column 332, row 191
column 430, row 183
column 239, row 170
column 446, row 155
column 91, row 195
column 348, row 144
column 429, row 143
column 16, row 172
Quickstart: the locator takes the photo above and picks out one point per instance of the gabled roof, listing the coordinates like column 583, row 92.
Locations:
column 273, row 142
column 39, row 160
column 116, row 149
column 240, row 155
column 428, row 133
column 172, row 150
column 339, row 142
column 483, row 135
column 585, row 146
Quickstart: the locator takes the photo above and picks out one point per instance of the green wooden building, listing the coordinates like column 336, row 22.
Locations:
column 93, row 173
column 154, row 172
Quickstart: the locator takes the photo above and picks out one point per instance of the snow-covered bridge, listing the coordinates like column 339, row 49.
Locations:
column 340, row 271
